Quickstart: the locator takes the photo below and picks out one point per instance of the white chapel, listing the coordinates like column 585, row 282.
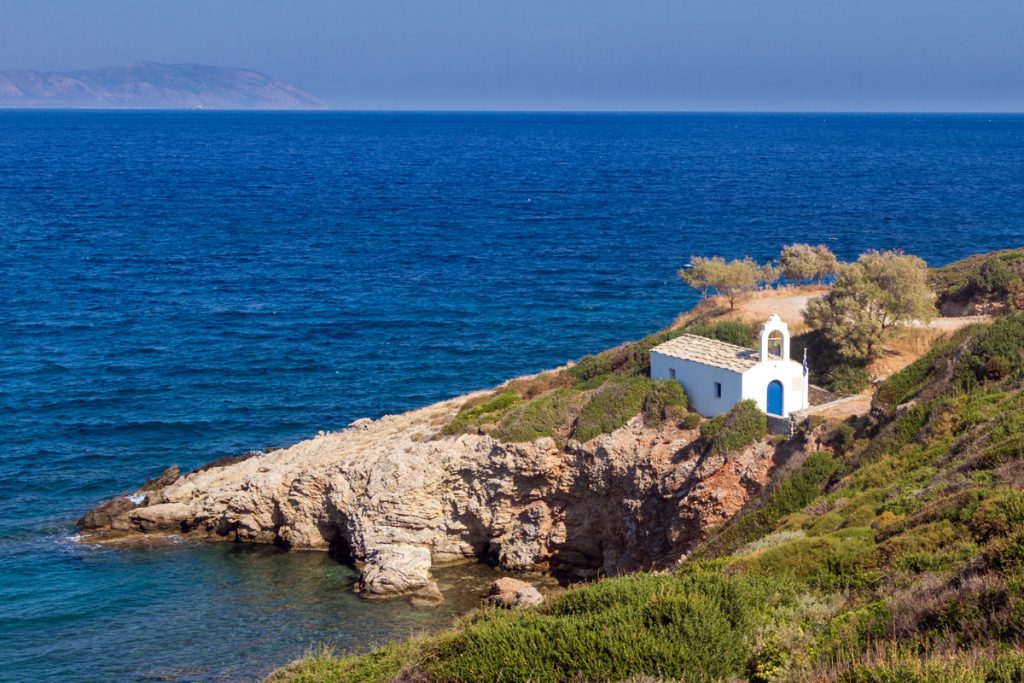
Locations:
column 716, row 375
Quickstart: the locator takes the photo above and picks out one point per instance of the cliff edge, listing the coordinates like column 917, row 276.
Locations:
column 394, row 496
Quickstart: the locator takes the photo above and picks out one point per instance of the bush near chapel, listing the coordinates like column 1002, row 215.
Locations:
column 611, row 406
column 881, row 291
column 735, row 430
column 665, row 400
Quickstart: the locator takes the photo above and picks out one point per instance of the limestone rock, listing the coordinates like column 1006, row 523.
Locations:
column 396, row 570
column 394, row 495
column 508, row 592
column 161, row 517
column 104, row 514
column 168, row 477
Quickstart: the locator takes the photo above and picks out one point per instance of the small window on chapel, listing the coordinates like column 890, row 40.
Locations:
column 672, row 373
column 718, row 390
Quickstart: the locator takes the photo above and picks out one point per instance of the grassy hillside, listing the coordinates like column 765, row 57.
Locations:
column 595, row 396
column 892, row 553
column 983, row 278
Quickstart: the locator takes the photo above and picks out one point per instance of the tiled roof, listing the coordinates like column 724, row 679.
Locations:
column 711, row 352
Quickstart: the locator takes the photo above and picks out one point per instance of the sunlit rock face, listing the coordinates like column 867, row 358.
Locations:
column 392, row 498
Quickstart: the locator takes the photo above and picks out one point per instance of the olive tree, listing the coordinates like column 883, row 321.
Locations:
column 879, row 292
column 732, row 279
column 806, row 262
column 827, row 262
column 700, row 273
column 736, row 279
column 769, row 274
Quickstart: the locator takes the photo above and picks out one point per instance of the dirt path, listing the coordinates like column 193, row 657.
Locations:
column 844, row 407
column 788, row 302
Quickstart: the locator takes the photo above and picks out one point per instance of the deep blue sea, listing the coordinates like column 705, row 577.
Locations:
column 175, row 287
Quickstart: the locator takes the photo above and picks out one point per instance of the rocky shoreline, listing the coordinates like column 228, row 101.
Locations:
column 394, row 497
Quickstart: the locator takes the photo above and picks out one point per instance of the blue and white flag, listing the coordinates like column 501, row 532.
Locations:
column 805, row 361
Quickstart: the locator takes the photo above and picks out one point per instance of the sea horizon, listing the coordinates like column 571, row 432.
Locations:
column 628, row 112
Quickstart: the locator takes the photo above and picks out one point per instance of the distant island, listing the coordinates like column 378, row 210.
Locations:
column 151, row 85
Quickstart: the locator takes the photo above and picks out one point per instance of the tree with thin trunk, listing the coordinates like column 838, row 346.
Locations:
column 700, row 272
column 732, row 279
column 736, row 279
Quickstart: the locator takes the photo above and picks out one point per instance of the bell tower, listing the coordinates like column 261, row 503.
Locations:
column 774, row 339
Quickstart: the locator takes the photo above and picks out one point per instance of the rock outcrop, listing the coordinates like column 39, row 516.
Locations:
column 397, row 569
column 391, row 495
column 509, row 592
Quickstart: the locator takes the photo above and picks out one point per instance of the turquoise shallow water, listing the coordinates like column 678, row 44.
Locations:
column 181, row 286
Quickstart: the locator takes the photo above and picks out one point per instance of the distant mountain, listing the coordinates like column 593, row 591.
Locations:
column 150, row 85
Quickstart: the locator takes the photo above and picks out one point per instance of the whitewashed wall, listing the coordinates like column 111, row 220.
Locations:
column 699, row 383
column 789, row 372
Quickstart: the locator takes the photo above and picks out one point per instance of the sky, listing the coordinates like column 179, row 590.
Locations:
column 578, row 55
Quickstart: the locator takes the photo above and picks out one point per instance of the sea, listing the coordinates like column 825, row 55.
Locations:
column 180, row 286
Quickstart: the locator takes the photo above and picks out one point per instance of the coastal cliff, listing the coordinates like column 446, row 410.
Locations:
column 394, row 496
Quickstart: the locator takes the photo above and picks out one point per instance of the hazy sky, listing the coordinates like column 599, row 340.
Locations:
column 766, row 55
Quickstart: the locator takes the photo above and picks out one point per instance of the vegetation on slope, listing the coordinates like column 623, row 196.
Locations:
column 735, row 430
column 994, row 277
column 595, row 396
column 895, row 555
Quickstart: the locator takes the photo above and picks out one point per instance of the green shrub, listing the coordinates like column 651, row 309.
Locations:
column 988, row 275
column 897, row 434
column 841, row 559
column 996, row 352
column 474, row 410
column 847, row 379
column 841, row 439
column 730, row 331
column 1008, row 667
column 932, row 547
column 665, row 400
column 993, row 277
column 324, row 664
column 768, row 664
column 693, row 627
column 909, row 665
column 902, row 385
column 611, row 406
column 542, row 416
column 692, row 421
column 741, row 426
column 999, row 515
column 591, row 367
column 710, row 427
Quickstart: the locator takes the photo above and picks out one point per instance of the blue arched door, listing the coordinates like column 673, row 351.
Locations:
column 775, row 398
